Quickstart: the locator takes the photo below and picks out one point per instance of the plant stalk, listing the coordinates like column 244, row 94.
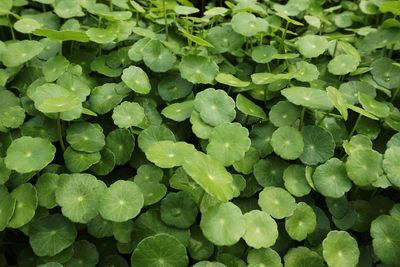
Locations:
column 165, row 19
column 59, row 132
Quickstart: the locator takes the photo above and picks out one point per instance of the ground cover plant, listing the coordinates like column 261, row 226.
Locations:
column 199, row 133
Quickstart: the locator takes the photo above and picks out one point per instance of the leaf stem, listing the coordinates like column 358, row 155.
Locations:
column 303, row 111
column 355, row 126
column 165, row 19
column 11, row 28
column 394, row 95
column 59, row 132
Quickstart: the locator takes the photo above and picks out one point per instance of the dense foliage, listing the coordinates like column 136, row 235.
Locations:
column 199, row 133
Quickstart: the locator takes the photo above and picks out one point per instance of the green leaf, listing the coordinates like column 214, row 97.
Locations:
column 301, row 223
column 215, row 106
column 228, row 143
column 26, row 202
column 364, row 166
column 338, row 101
column 120, row 202
column 340, row 249
column 7, row 207
column 196, row 39
column 277, row 202
column 284, row 113
column 77, row 161
column 295, row 181
column 287, row 142
column 210, row 175
column 229, row 79
column 51, row 234
column 261, row 229
column 27, row 25
column 54, row 68
column 342, row 65
column 247, row 24
column 385, row 238
column 178, row 210
column 168, row 154
column 249, row 108
column 319, row 145
column 136, row 79
column 63, row 35
column 27, row 154
column 128, row 114
column 121, row 143
column 20, row 52
column 160, row 250
column 51, row 98
column 386, row 73
column 223, row 224
column 86, row 137
column 78, row 196
column 303, row 256
column 157, row 57
column 312, row 45
column 330, row 179
column 178, row 111
column 263, row 53
column 308, row 97
column 198, row 69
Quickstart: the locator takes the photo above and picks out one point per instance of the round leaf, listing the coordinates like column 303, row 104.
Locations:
column 122, row 201
column 160, row 250
column 78, row 195
column 261, row 229
column 277, row 202
column 312, row 45
column 198, row 69
column 51, row 234
column 136, row 79
column 128, row 114
column 340, row 249
column 342, row 65
column 210, row 175
column 319, row 145
column 385, row 238
column 27, row 154
column 287, row 142
column 223, row 224
column 330, row 179
column 178, row 209
column 228, row 143
column 301, row 223
column 86, row 137
column 215, row 106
